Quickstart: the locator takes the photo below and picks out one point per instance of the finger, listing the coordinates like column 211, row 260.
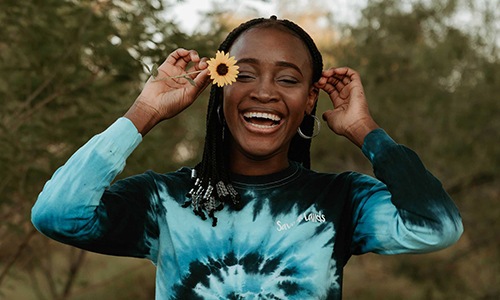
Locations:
column 343, row 71
column 193, row 56
column 347, row 73
column 335, row 98
column 322, row 81
column 329, row 117
column 328, row 72
column 326, row 78
column 328, row 85
column 335, row 86
column 337, row 82
column 340, row 96
column 202, row 80
column 326, row 114
column 350, row 78
column 342, row 76
column 345, row 80
column 182, row 57
column 201, row 65
column 175, row 55
column 334, row 78
column 319, row 85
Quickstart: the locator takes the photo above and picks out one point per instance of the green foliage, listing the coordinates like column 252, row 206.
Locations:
column 435, row 88
column 69, row 69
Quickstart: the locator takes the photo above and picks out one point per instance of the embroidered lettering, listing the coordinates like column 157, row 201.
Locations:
column 314, row 217
column 284, row 226
column 304, row 217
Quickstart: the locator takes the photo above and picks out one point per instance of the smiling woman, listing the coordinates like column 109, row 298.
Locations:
column 264, row 108
column 277, row 229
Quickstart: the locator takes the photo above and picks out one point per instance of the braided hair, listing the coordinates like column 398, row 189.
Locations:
column 212, row 186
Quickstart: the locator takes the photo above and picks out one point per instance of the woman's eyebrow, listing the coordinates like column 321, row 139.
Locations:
column 251, row 61
column 285, row 64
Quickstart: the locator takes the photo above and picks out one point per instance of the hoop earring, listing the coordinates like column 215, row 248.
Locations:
column 302, row 135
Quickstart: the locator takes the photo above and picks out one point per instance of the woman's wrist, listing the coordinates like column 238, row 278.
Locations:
column 143, row 116
column 360, row 130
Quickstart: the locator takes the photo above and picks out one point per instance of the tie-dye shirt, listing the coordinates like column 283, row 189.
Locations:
column 291, row 240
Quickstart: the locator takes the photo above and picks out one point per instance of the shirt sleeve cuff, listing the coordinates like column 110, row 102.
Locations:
column 375, row 142
column 120, row 139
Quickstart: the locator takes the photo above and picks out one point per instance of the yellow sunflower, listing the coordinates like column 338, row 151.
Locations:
column 223, row 69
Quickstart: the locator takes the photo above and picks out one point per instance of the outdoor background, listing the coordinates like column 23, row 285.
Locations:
column 431, row 71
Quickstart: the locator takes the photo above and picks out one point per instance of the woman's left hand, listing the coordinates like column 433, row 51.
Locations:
column 350, row 116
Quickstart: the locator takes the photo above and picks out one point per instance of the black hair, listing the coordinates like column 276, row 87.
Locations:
column 212, row 185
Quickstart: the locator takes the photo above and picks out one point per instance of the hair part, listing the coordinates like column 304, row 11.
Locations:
column 212, row 185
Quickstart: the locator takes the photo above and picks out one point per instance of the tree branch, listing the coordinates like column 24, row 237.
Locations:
column 18, row 253
column 73, row 270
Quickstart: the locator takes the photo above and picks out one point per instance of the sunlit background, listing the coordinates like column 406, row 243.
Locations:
column 431, row 71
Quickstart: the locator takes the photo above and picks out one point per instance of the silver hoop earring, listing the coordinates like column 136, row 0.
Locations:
column 315, row 133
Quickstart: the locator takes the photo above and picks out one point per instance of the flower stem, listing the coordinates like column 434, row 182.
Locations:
column 178, row 76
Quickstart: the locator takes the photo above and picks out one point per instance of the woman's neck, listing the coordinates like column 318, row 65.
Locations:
column 252, row 166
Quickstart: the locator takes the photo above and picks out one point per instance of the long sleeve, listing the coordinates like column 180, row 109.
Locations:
column 407, row 211
column 77, row 208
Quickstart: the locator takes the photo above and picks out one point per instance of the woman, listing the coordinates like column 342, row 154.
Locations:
column 277, row 230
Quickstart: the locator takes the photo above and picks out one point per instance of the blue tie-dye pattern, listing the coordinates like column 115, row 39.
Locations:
column 267, row 250
column 252, row 239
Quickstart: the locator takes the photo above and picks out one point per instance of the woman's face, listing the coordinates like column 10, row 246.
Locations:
column 266, row 105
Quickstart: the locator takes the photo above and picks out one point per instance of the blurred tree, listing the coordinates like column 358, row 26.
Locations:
column 434, row 86
column 67, row 69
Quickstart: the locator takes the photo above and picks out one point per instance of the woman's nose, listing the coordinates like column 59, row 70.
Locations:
column 265, row 91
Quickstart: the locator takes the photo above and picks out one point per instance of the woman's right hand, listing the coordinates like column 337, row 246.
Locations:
column 163, row 97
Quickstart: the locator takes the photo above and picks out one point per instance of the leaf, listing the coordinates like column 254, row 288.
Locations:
column 190, row 80
column 154, row 71
column 146, row 66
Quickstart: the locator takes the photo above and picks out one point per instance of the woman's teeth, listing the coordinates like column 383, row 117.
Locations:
column 261, row 119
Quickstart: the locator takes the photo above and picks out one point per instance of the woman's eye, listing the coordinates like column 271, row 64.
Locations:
column 244, row 77
column 288, row 81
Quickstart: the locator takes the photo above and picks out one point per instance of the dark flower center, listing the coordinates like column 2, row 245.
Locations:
column 222, row 69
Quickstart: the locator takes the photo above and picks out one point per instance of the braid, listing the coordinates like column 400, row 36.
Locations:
column 212, row 185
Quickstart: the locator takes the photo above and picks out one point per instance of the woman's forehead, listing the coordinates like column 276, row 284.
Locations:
column 270, row 42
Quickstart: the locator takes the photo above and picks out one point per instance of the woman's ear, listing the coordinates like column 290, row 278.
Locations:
column 311, row 99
